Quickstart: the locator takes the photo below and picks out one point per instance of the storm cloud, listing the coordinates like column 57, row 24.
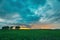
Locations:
column 29, row 11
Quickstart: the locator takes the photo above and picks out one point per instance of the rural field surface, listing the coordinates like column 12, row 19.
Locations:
column 36, row 34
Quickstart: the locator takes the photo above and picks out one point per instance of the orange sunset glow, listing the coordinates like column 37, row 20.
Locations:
column 44, row 26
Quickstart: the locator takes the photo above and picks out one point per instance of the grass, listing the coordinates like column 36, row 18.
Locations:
column 36, row 34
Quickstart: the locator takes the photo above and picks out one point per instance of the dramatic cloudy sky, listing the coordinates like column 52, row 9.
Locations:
column 29, row 11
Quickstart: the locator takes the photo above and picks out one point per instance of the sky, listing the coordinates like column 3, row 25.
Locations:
column 29, row 11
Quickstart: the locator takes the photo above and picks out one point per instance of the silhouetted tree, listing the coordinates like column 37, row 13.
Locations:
column 5, row 27
column 11, row 27
column 17, row 27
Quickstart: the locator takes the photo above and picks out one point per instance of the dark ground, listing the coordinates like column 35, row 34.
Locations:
column 30, row 34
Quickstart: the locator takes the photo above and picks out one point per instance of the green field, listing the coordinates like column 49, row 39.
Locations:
column 29, row 34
